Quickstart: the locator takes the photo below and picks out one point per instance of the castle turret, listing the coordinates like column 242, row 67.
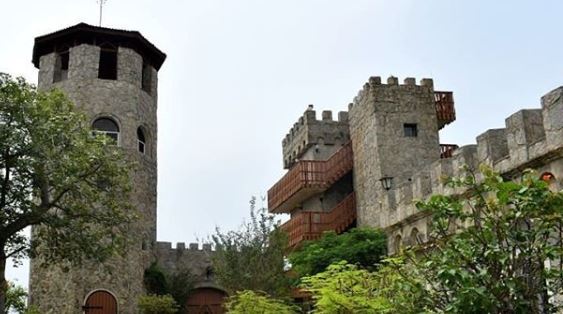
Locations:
column 111, row 75
column 394, row 130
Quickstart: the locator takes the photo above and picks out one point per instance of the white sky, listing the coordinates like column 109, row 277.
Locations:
column 239, row 73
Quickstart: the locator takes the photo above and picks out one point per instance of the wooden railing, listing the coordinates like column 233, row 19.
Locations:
column 306, row 225
column 446, row 150
column 310, row 174
column 445, row 110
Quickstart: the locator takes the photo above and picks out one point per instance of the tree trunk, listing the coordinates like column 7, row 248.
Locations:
column 3, row 283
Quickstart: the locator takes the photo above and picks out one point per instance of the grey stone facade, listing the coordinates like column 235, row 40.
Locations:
column 131, row 101
column 313, row 139
column 122, row 100
column 532, row 139
column 192, row 258
column 382, row 147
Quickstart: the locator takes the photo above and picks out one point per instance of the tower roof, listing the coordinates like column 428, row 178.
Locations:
column 83, row 33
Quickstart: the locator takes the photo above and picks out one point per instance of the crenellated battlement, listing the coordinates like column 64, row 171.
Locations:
column 181, row 246
column 309, row 131
column 531, row 138
column 374, row 84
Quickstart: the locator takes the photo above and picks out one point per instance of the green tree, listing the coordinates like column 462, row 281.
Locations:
column 155, row 280
column 495, row 248
column 360, row 246
column 178, row 284
column 55, row 174
column 157, row 304
column 252, row 258
column 251, row 302
column 15, row 299
column 346, row 289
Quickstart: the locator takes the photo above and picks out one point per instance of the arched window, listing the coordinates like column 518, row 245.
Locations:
column 398, row 243
column 416, row 237
column 141, row 140
column 550, row 179
column 107, row 127
column 547, row 177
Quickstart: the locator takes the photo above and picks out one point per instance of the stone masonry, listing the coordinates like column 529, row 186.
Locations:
column 393, row 129
column 51, row 288
column 130, row 100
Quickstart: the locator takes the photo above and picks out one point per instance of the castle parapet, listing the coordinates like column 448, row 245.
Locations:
column 443, row 100
column 532, row 138
column 309, row 132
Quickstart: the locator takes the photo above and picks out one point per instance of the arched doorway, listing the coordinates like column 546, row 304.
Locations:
column 206, row 301
column 100, row 302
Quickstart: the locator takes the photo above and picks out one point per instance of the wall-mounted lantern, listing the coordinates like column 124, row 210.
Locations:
column 386, row 182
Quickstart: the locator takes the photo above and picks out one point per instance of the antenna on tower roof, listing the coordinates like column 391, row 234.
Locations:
column 101, row 2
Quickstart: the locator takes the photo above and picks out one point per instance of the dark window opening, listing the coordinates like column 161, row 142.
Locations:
column 107, row 127
column 61, row 67
column 146, row 79
column 209, row 273
column 410, row 129
column 108, row 64
column 141, row 140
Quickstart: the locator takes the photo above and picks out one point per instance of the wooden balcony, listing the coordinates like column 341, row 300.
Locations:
column 306, row 225
column 446, row 150
column 445, row 110
column 307, row 178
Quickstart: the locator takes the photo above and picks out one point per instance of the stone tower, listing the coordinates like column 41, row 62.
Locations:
column 394, row 131
column 111, row 75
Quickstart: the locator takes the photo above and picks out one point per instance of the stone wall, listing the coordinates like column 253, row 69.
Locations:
column 197, row 261
column 51, row 288
column 381, row 147
column 312, row 139
column 532, row 139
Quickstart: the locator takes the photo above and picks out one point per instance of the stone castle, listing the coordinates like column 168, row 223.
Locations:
column 112, row 75
column 367, row 167
column 362, row 169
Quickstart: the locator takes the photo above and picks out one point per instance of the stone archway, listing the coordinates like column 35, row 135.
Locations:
column 100, row 302
column 206, row 301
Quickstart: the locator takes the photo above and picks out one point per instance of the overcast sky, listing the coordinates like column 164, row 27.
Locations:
column 239, row 73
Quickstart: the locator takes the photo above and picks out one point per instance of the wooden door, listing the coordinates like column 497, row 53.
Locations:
column 206, row 301
column 100, row 302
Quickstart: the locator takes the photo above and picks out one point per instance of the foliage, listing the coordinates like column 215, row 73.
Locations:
column 490, row 248
column 252, row 258
column 155, row 280
column 251, row 302
column 54, row 173
column 157, row 304
column 178, row 285
column 360, row 246
column 15, row 299
column 344, row 288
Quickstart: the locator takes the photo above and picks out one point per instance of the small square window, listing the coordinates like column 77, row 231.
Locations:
column 410, row 129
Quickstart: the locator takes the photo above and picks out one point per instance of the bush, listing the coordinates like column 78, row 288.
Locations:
column 251, row 302
column 157, row 304
column 360, row 246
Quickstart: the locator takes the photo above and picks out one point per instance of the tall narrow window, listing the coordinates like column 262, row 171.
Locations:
column 146, row 79
column 141, row 140
column 108, row 64
column 61, row 67
column 107, row 127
